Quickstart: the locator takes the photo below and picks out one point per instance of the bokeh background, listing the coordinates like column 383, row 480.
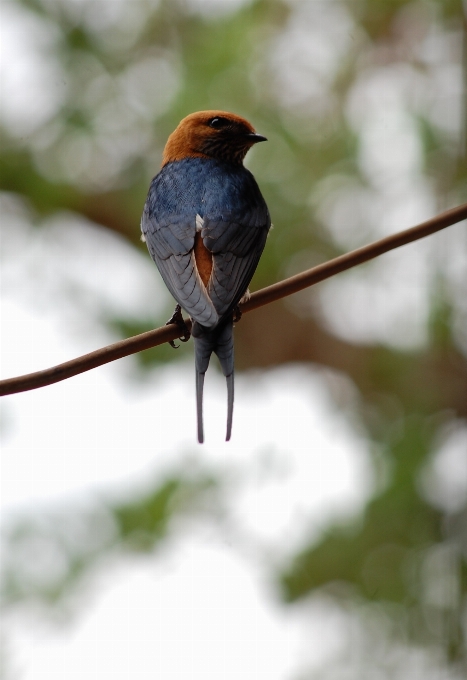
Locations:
column 328, row 539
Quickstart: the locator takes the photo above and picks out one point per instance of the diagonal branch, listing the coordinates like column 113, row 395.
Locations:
column 262, row 297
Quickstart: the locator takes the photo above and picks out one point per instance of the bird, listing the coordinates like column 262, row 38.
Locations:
column 205, row 223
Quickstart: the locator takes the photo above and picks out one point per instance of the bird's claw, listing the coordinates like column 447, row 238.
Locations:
column 177, row 319
column 237, row 314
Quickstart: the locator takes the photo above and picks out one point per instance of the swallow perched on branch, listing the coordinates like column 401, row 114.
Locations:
column 205, row 223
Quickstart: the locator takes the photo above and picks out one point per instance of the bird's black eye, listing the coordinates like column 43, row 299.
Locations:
column 218, row 123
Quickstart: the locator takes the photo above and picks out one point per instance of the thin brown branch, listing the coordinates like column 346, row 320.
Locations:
column 264, row 296
column 355, row 257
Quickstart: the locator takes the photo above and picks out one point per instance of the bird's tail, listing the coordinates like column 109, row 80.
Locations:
column 220, row 341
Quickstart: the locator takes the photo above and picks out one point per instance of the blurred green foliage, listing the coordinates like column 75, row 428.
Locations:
column 78, row 542
column 120, row 83
column 384, row 555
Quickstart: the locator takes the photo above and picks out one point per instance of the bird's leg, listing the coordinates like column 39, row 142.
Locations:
column 237, row 314
column 177, row 319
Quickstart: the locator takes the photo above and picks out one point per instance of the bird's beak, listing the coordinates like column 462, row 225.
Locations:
column 253, row 137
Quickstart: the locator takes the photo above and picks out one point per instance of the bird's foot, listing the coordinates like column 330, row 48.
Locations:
column 177, row 319
column 237, row 314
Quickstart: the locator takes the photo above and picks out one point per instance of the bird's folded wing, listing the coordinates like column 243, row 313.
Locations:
column 236, row 249
column 170, row 243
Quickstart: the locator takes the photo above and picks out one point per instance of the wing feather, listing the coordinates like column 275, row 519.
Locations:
column 233, row 269
column 172, row 251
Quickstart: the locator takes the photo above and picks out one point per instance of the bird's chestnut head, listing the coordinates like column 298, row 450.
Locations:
column 213, row 134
